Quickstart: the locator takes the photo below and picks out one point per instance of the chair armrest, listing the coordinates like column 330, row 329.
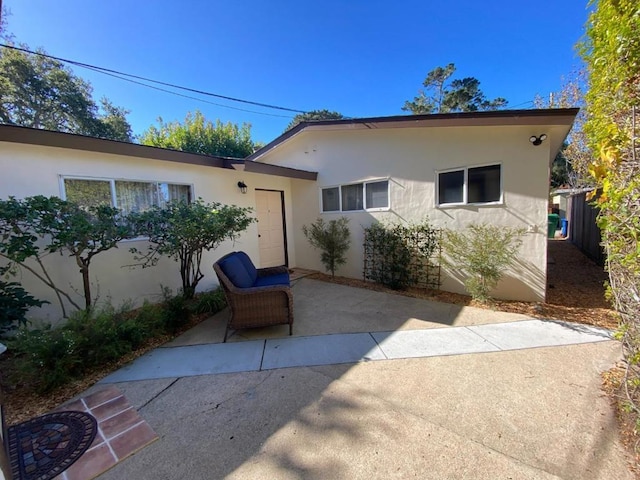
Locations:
column 267, row 272
column 266, row 289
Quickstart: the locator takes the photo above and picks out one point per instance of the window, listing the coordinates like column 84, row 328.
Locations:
column 128, row 196
column 352, row 197
column 331, row 199
column 356, row 197
column 471, row 185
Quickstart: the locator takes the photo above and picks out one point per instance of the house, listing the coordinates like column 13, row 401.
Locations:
column 454, row 169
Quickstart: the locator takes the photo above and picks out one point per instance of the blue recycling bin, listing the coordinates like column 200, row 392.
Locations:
column 564, row 229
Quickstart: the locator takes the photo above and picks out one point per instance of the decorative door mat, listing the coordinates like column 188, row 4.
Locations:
column 121, row 433
column 41, row 448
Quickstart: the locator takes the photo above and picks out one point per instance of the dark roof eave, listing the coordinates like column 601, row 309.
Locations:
column 48, row 138
column 486, row 118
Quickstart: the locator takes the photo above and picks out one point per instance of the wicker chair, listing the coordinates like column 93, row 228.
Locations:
column 256, row 305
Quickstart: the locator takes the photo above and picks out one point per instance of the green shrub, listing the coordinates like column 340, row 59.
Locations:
column 482, row 252
column 100, row 339
column 183, row 231
column 46, row 358
column 208, row 302
column 15, row 302
column 399, row 256
column 332, row 238
column 175, row 312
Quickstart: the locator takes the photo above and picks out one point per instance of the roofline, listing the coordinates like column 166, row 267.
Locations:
column 49, row 138
column 483, row 118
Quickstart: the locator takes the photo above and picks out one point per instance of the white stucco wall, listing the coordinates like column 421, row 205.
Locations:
column 410, row 157
column 27, row 170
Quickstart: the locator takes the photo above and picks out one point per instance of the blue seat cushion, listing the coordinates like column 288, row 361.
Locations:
column 235, row 270
column 278, row 279
column 248, row 265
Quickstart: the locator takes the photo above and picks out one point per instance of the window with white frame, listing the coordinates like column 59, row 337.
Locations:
column 470, row 185
column 126, row 195
column 372, row 195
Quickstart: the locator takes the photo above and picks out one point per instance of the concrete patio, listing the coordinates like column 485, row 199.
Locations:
column 522, row 401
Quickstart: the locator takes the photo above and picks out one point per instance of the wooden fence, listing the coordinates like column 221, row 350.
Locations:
column 583, row 229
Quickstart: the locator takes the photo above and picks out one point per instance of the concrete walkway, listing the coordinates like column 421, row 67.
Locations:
column 377, row 386
column 257, row 355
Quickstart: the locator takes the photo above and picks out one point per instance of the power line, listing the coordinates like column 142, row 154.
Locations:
column 189, row 96
column 114, row 73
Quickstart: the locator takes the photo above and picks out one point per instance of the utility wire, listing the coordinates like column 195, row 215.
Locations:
column 116, row 72
column 186, row 96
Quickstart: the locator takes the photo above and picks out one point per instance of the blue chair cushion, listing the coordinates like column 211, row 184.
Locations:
column 235, row 270
column 248, row 265
column 278, row 279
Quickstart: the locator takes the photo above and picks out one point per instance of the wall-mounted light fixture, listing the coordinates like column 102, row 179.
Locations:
column 538, row 140
column 242, row 186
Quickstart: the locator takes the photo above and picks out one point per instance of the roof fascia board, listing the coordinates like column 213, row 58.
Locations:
column 48, row 138
column 558, row 116
column 268, row 169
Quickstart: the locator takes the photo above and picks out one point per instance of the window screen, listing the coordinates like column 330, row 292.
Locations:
column 377, row 194
column 484, row 184
column 330, row 199
column 450, row 187
column 352, row 197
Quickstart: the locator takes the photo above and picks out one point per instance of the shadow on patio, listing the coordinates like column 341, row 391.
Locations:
column 322, row 308
column 440, row 417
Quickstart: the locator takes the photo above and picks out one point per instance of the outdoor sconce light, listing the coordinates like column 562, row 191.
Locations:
column 242, row 186
column 538, row 140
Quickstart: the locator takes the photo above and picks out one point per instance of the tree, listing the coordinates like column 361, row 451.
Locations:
column 612, row 54
column 15, row 302
column 4, row 34
column 332, row 239
column 183, row 231
column 571, row 165
column 482, row 252
column 37, row 226
column 442, row 95
column 40, row 92
column 561, row 170
column 199, row 135
column 314, row 116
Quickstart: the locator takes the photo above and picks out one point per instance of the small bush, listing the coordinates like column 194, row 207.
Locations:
column 482, row 252
column 399, row 256
column 208, row 302
column 100, row 339
column 332, row 238
column 175, row 312
column 46, row 358
column 15, row 302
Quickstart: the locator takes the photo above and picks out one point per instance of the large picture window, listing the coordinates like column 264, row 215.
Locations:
column 352, row 197
column 472, row 185
column 126, row 195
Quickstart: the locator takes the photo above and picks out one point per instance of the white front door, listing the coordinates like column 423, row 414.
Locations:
column 270, row 228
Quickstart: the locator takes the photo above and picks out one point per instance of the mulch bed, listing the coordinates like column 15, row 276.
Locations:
column 575, row 290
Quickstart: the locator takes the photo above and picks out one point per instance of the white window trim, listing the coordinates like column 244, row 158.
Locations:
column 339, row 198
column 465, row 189
column 112, row 181
column 364, row 196
column 114, row 197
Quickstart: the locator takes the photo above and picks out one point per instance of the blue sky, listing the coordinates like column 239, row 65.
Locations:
column 361, row 58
